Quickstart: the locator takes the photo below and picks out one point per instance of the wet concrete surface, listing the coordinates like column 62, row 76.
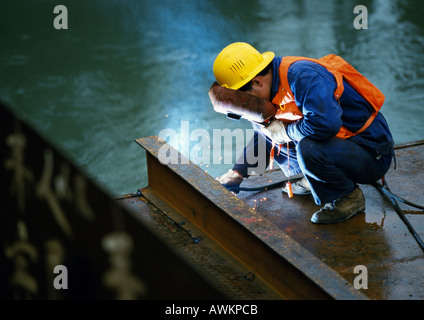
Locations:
column 376, row 239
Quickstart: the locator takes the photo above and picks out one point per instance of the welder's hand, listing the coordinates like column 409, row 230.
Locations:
column 276, row 131
column 231, row 178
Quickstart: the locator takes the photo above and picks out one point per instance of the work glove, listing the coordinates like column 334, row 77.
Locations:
column 276, row 131
column 231, row 180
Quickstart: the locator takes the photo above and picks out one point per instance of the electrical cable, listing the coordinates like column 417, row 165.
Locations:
column 237, row 189
column 388, row 194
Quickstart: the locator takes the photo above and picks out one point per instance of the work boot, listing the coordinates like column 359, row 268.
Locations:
column 341, row 209
column 300, row 187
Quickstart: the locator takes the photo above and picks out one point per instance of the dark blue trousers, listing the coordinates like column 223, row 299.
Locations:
column 333, row 167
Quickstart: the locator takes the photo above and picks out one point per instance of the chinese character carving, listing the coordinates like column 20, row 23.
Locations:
column 119, row 277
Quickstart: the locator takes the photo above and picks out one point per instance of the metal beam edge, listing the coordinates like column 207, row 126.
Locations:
column 328, row 280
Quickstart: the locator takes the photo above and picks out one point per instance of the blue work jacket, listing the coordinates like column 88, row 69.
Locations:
column 313, row 89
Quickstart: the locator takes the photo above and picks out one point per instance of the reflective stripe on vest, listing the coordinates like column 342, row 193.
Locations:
column 341, row 69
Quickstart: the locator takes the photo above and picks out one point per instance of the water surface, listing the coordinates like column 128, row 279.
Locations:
column 131, row 68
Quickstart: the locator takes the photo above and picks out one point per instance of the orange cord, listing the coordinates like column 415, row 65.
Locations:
column 289, row 185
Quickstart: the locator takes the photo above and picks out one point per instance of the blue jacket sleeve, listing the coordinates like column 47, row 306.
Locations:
column 313, row 89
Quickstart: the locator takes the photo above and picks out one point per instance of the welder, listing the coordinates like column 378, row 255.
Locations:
column 327, row 124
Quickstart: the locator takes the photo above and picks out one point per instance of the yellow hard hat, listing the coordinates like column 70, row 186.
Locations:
column 239, row 63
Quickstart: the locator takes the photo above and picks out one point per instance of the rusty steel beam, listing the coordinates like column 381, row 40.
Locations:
column 409, row 144
column 282, row 263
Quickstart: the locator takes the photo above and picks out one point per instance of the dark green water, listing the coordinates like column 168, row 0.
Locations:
column 128, row 69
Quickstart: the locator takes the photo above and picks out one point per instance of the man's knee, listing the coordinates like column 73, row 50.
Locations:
column 308, row 150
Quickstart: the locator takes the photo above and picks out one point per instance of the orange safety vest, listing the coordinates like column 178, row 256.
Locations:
column 341, row 69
